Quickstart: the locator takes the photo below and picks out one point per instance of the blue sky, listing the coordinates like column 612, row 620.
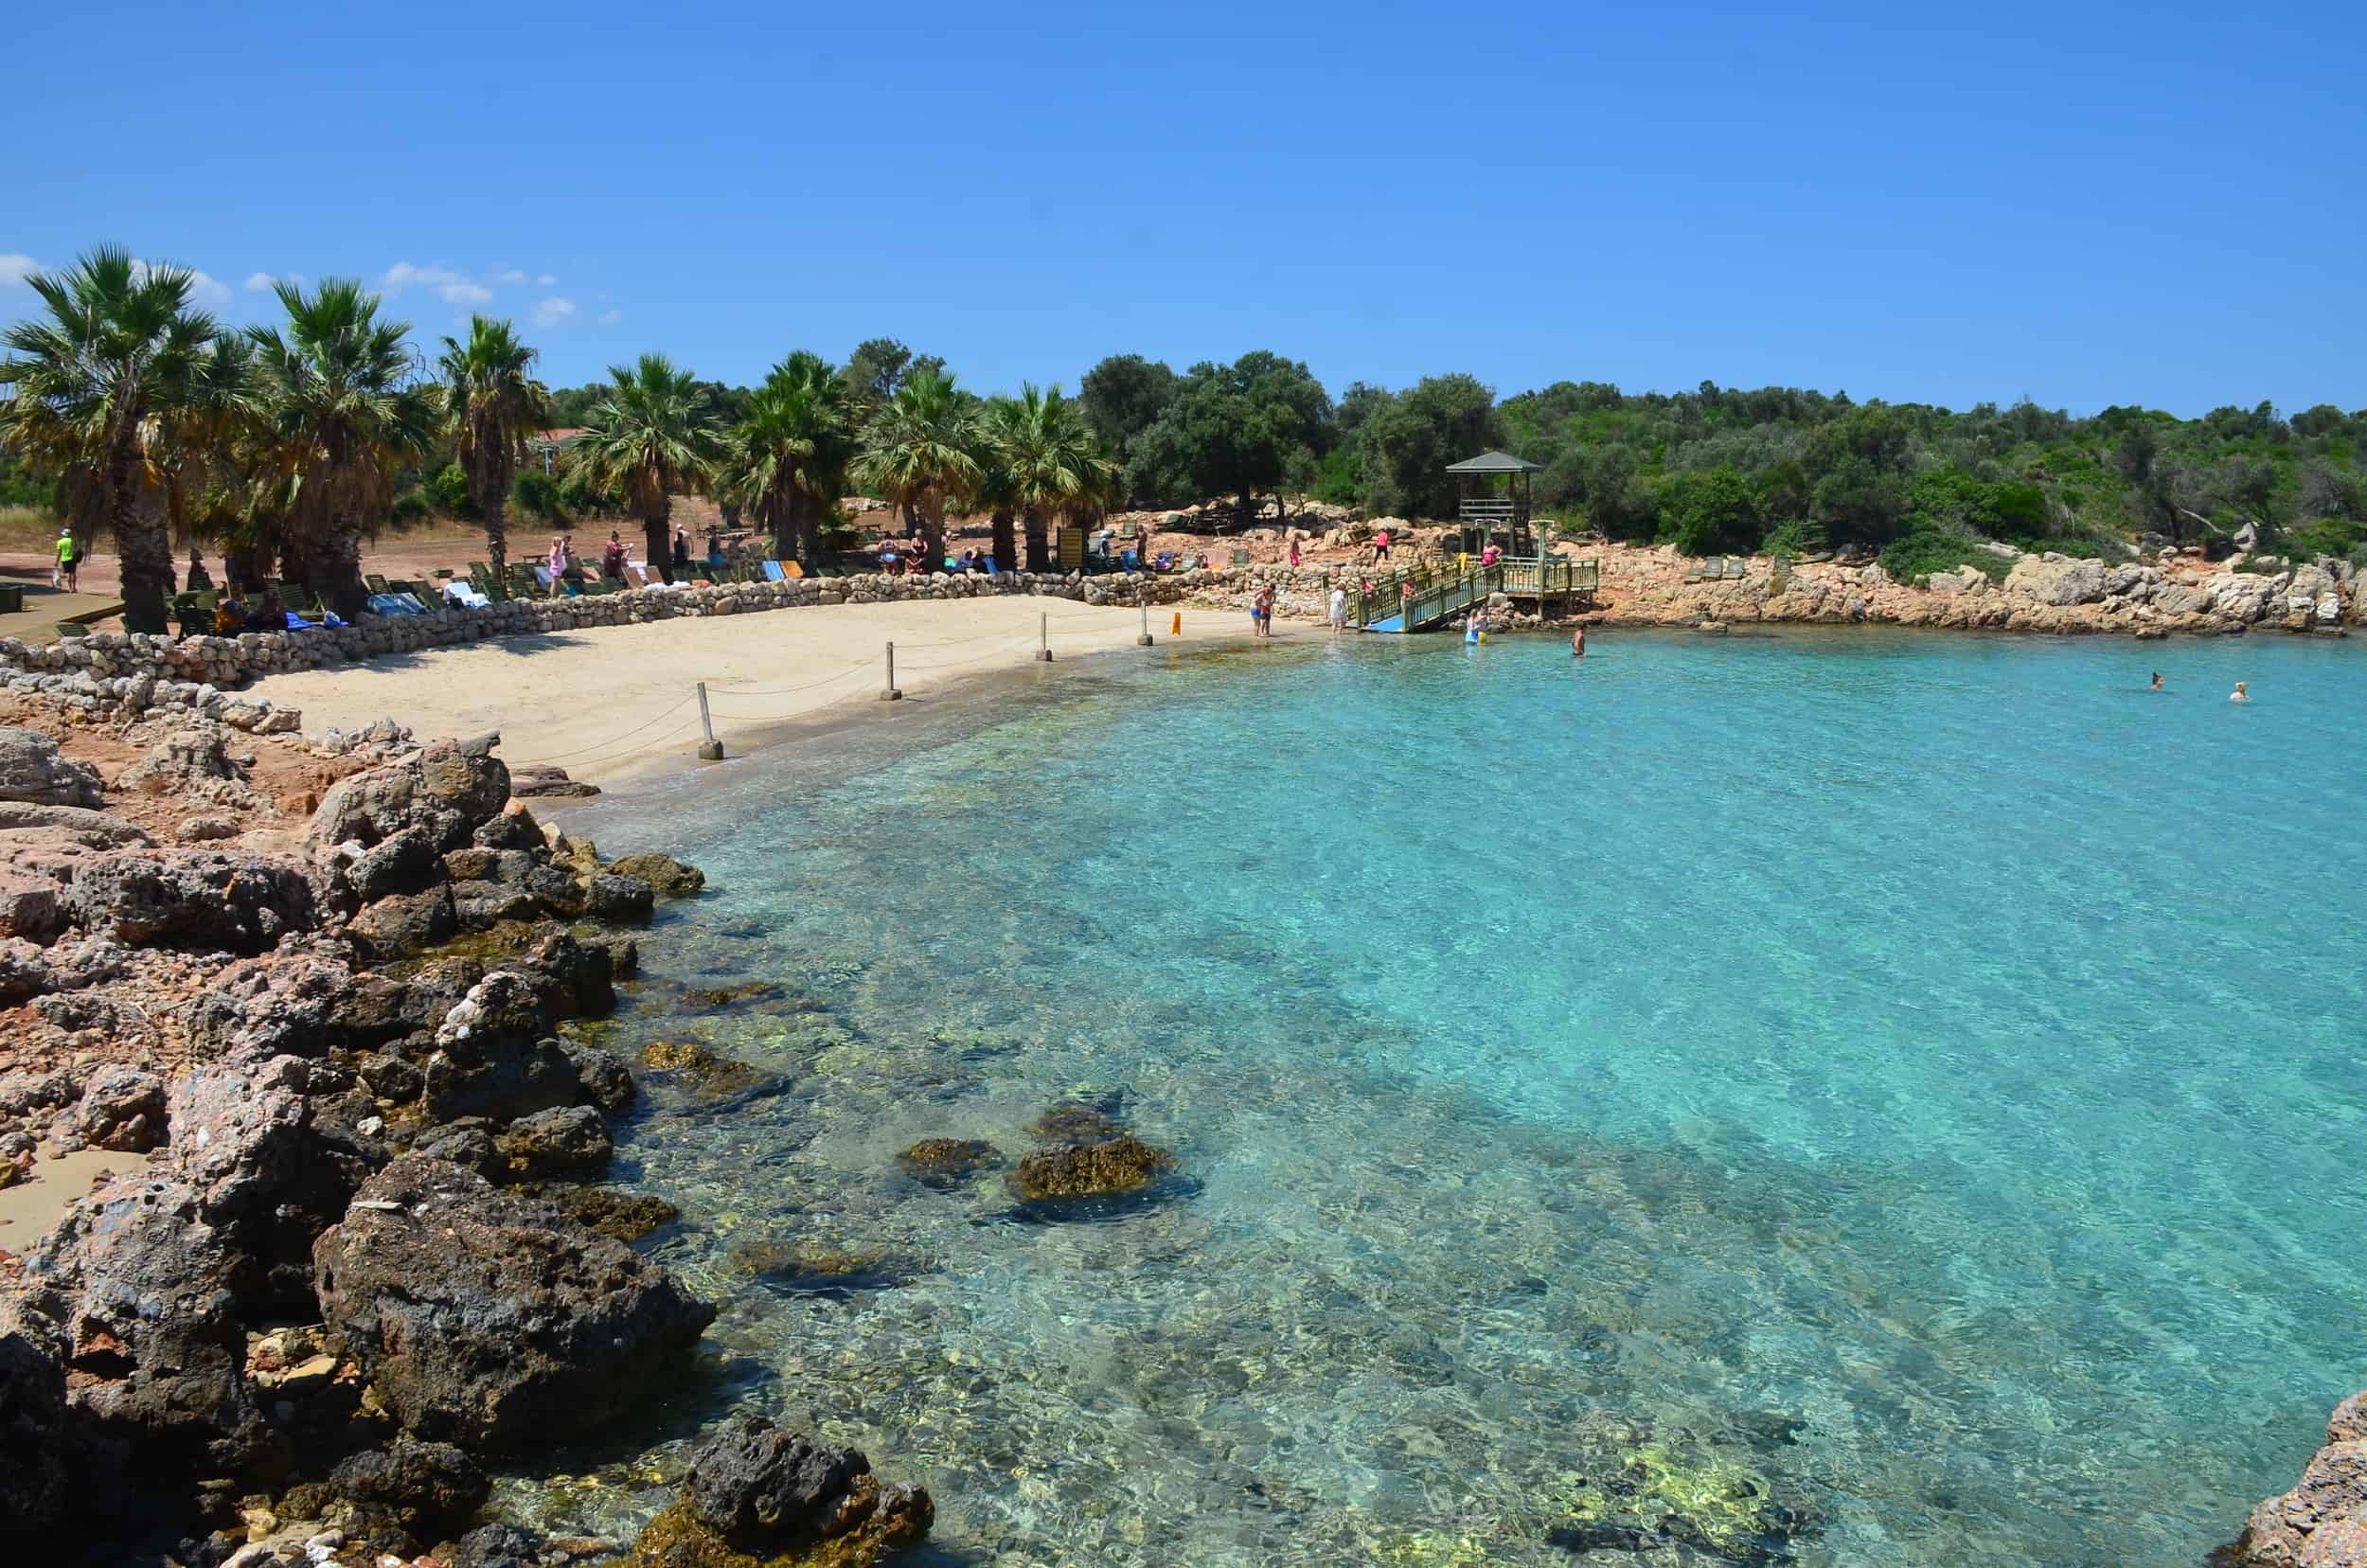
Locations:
column 2083, row 203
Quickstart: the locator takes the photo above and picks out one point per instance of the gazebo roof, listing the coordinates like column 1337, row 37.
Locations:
column 1495, row 462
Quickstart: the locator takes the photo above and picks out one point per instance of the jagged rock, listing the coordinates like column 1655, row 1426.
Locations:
column 402, row 863
column 470, row 1147
column 568, row 1141
column 514, row 829
column 405, row 924
column 605, row 1081
column 206, row 829
column 624, row 900
column 580, row 975
column 31, row 908
column 946, row 1163
column 271, row 1159
column 757, row 1496
column 124, row 1109
column 92, row 830
column 1123, row 1163
column 667, row 877
column 32, row 770
column 279, row 1005
column 37, row 1440
column 142, row 1289
column 379, row 1007
column 499, row 1546
column 200, row 898
column 535, row 781
column 24, row 970
column 2323, row 1521
column 484, row 1317
column 444, row 794
column 193, row 763
column 2056, row 583
column 427, row 1489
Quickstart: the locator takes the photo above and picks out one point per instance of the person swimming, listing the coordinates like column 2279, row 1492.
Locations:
column 2157, row 682
column 2239, row 694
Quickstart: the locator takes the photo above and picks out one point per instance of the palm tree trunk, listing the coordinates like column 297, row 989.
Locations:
column 808, row 528
column 933, row 533
column 660, row 544
column 1005, row 548
column 1039, row 553
column 144, row 545
column 782, row 518
column 336, row 574
column 495, row 507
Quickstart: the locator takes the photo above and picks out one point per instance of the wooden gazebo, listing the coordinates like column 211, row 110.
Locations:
column 1493, row 502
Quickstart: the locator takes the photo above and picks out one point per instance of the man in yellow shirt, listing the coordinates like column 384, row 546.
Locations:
column 69, row 556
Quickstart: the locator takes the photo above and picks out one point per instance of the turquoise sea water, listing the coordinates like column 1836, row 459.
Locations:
column 1836, row 1097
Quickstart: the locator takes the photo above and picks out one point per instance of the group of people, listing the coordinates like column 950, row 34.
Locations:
column 564, row 566
column 2241, row 694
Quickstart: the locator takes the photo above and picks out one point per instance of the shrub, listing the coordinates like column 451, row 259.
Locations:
column 1796, row 538
column 534, row 496
column 447, row 492
column 1708, row 512
column 1914, row 555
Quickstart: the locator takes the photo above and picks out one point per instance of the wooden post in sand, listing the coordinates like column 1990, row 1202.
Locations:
column 710, row 749
column 1043, row 637
column 1144, row 641
column 888, row 693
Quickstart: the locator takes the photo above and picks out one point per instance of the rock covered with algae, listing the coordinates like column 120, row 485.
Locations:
column 1652, row 1494
column 1115, row 1164
column 758, row 1497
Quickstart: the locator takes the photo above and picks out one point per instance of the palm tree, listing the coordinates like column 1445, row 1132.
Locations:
column 789, row 454
column 495, row 407
column 654, row 433
column 343, row 412
column 999, row 441
column 917, row 453
column 100, row 389
column 1054, row 464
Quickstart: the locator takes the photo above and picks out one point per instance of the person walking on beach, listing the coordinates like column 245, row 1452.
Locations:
column 2239, row 694
column 1339, row 608
column 613, row 557
column 682, row 559
column 555, row 562
column 69, row 557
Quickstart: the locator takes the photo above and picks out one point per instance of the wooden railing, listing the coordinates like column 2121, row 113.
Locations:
column 1442, row 587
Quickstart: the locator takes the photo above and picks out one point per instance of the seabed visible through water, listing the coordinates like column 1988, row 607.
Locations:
column 1835, row 1098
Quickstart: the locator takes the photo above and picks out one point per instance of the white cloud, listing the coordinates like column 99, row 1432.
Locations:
column 402, row 275
column 512, row 275
column 465, row 294
column 546, row 280
column 15, row 268
column 610, row 318
column 553, row 312
column 257, row 282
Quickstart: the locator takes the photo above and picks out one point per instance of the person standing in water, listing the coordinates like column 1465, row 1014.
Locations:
column 1339, row 608
column 2157, row 682
column 1577, row 642
column 2239, row 694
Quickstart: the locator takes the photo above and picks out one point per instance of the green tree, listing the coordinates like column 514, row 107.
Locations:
column 1240, row 429
column 1047, row 462
column 1124, row 396
column 789, row 456
column 1709, row 511
column 1407, row 442
column 879, row 366
column 344, row 414
column 652, row 436
column 102, row 387
column 915, row 454
column 495, row 407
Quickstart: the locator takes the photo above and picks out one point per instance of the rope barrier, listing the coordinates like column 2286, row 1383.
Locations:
column 602, row 745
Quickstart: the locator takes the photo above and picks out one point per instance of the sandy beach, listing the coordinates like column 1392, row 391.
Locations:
column 607, row 701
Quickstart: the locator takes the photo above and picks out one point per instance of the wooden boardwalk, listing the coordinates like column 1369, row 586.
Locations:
column 1443, row 591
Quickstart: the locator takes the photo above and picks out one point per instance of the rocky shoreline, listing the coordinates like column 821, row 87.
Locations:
column 350, row 1262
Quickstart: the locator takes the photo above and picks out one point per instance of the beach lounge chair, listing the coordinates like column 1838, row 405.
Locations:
column 1240, row 555
column 376, row 583
column 790, row 570
column 773, row 572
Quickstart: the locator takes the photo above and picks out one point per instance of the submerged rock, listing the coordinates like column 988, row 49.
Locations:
column 710, row 1073
column 945, row 1162
column 1123, row 1163
column 485, row 1317
column 817, row 1270
column 757, row 1497
column 625, row 1216
column 1076, row 1122
column 1652, row 1496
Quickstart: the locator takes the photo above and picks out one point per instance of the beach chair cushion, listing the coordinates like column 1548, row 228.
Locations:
column 773, row 572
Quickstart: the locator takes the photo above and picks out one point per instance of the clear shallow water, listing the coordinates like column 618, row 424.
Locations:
column 1886, row 1099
